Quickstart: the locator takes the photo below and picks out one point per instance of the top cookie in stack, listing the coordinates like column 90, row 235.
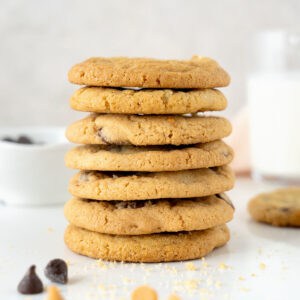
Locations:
column 143, row 125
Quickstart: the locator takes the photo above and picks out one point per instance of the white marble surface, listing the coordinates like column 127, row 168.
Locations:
column 41, row 40
column 262, row 262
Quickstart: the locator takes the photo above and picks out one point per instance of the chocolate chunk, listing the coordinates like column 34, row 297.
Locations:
column 84, row 176
column 30, row 284
column 226, row 199
column 119, row 174
column 102, row 136
column 115, row 148
column 225, row 153
column 132, row 204
column 285, row 209
column 57, row 271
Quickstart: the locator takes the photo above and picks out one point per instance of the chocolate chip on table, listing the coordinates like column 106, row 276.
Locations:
column 31, row 283
column 57, row 271
column 22, row 139
column 8, row 139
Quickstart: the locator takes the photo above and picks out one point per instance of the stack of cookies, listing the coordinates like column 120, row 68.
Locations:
column 152, row 171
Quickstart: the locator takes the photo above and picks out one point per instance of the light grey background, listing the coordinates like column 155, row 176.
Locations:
column 40, row 40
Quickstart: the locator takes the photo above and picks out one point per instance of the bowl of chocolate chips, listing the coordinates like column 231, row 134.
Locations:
column 32, row 170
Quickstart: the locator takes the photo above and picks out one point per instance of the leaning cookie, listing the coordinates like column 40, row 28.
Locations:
column 147, row 130
column 159, row 247
column 279, row 208
column 126, row 186
column 149, row 216
column 145, row 101
column 198, row 72
column 149, row 159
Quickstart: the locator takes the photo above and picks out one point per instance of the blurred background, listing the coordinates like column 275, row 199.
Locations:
column 41, row 40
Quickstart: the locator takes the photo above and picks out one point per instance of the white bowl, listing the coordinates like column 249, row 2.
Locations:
column 34, row 174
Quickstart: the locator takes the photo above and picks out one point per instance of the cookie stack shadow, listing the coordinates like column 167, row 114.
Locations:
column 152, row 167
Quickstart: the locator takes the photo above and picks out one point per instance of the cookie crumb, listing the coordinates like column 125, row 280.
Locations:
column 243, row 289
column 242, row 278
column 191, row 284
column 102, row 264
column 262, row 266
column 173, row 297
column 144, row 292
column 53, row 293
column 223, row 266
column 204, row 263
column 190, row 266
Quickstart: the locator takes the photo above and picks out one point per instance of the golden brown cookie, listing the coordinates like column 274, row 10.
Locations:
column 159, row 247
column 198, row 72
column 149, row 159
column 145, row 101
column 279, row 208
column 126, row 186
column 149, row 216
column 147, row 130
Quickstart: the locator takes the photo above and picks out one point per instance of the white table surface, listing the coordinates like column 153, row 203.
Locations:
column 259, row 262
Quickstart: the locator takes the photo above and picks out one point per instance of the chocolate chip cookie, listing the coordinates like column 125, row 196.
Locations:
column 149, row 216
column 279, row 208
column 137, row 130
column 149, row 159
column 198, row 72
column 145, row 101
column 158, row 247
column 126, row 186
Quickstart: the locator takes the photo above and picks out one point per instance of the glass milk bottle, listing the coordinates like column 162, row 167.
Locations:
column 273, row 91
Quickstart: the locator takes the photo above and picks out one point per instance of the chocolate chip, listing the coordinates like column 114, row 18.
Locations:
column 84, row 176
column 214, row 169
column 226, row 199
column 102, row 136
column 115, row 148
column 119, row 174
column 173, row 147
column 285, row 209
column 132, row 204
column 8, row 139
column 22, row 139
column 225, row 153
column 30, row 284
column 57, row 271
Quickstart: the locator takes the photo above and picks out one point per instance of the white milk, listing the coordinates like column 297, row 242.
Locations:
column 274, row 103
